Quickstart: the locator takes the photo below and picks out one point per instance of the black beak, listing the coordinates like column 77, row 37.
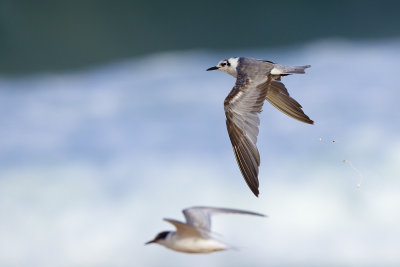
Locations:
column 212, row 68
column 150, row 242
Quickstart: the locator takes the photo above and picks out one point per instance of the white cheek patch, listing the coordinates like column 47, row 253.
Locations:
column 276, row 71
column 234, row 62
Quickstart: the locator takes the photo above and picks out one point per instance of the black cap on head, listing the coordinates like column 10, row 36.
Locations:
column 160, row 236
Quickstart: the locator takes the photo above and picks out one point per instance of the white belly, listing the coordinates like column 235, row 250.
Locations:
column 197, row 245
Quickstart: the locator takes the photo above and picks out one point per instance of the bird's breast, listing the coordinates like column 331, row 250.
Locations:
column 197, row 245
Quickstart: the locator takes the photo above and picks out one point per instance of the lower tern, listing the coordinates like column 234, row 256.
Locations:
column 195, row 235
column 256, row 80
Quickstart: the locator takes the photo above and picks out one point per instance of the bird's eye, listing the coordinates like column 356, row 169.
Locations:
column 223, row 64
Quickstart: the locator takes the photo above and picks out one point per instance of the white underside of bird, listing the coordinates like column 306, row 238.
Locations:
column 194, row 244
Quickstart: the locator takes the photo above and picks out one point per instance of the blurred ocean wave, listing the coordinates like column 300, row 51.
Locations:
column 91, row 160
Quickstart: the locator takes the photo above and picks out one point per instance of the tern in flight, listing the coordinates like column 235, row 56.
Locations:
column 256, row 80
column 195, row 235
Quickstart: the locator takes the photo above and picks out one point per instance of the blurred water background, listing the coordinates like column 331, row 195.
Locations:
column 109, row 123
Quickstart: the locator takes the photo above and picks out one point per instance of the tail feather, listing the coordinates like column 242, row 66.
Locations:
column 281, row 69
column 298, row 69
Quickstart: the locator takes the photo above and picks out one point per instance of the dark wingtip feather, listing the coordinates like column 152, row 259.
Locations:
column 306, row 120
column 255, row 191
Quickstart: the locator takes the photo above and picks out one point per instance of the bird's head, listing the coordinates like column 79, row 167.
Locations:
column 161, row 238
column 227, row 65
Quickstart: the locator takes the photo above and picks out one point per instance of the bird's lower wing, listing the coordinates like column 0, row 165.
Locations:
column 279, row 97
column 246, row 155
column 186, row 230
column 242, row 106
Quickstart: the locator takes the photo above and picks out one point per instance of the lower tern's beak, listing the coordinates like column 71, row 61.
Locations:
column 212, row 68
column 150, row 242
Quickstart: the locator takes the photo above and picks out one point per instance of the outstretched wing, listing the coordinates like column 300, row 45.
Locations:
column 242, row 106
column 279, row 97
column 183, row 229
column 200, row 217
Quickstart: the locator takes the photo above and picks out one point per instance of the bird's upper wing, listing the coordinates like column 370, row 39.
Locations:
column 279, row 97
column 200, row 217
column 183, row 229
column 242, row 106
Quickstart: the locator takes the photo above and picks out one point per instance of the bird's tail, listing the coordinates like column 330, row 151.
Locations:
column 291, row 70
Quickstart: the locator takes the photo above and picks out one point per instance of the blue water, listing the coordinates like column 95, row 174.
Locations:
column 92, row 160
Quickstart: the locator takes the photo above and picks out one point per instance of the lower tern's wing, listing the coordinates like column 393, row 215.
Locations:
column 200, row 217
column 183, row 229
column 279, row 97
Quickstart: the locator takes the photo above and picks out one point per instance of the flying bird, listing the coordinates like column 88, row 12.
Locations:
column 256, row 80
column 195, row 235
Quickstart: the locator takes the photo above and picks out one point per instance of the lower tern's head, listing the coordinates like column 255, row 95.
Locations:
column 161, row 238
column 227, row 65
